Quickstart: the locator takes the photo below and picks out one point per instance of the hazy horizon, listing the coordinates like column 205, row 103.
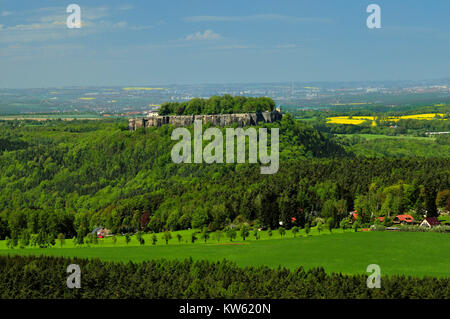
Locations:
column 232, row 83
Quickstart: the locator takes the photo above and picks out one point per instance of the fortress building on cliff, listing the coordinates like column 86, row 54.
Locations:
column 242, row 119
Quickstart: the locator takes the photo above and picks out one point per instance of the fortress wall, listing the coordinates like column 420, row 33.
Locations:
column 242, row 119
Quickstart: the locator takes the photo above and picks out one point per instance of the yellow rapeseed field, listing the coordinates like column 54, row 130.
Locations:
column 357, row 120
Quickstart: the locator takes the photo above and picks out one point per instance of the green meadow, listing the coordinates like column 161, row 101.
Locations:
column 395, row 137
column 406, row 253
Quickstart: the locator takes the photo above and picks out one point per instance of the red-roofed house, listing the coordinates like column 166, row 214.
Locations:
column 404, row 219
column 353, row 216
column 381, row 219
column 430, row 222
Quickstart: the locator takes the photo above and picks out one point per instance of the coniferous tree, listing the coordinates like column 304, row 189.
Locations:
column 295, row 230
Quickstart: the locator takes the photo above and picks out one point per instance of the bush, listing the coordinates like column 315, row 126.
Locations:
column 378, row 228
column 417, row 228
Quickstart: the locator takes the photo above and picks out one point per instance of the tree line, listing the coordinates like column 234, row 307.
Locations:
column 45, row 277
column 218, row 105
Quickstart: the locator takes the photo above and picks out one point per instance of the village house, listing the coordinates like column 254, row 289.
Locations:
column 102, row 232
column 404, row 219
column 353, row 216
column 430, row 222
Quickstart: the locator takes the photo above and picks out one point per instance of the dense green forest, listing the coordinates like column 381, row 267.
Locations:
column 45, row 277
column 69, row 177
column 370, row 145
column 218, row 105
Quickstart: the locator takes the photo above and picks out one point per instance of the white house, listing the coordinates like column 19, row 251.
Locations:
column 430, row 222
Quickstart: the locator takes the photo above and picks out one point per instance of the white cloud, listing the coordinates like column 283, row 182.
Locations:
column 140, row 28
column 207, row 35
column 49, row 24
column 6, row 13
column 286, row 46
column 256, row 17
column 121, row 24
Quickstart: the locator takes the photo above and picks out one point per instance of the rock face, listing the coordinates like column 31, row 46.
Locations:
column 242, row 119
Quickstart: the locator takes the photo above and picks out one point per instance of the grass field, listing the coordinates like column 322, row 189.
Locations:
column 408, row 253
column 397, row 137
column 186, row 238
column 373, row 145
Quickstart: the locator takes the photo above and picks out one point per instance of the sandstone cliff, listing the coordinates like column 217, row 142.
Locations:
column 243, row 119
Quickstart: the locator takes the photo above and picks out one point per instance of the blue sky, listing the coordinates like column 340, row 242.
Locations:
column 144, row 42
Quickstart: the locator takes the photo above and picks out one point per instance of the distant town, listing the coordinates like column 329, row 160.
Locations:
column 145, row 100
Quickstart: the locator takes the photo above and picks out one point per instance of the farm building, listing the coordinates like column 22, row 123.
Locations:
column 101, row 232
column 404, row 219
column 353, row 216
column 430, row 222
